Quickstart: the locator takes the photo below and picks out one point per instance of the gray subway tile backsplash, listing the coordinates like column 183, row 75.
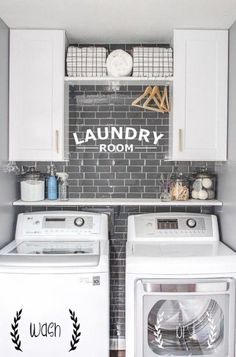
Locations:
column 137, row 174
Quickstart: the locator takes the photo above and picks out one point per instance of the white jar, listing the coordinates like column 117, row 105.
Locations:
column 32, row 186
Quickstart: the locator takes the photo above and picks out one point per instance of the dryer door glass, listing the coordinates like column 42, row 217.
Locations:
column 186, row 323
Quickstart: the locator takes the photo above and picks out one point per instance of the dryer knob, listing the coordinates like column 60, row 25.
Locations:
column 79, row 221
column 191, row 223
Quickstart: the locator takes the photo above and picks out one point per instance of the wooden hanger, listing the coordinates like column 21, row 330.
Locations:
column 136, row 102
column 161, row 101
column 157, row 98
column 153, row 94
column 165, row 101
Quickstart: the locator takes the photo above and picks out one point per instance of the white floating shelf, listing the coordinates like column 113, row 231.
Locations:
column 118, row 80
column 117, row 202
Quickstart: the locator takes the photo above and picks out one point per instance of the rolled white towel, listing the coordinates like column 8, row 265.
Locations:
column 119, row 64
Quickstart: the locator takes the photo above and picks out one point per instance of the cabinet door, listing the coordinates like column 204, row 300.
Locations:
column 199, row 127
column 37, row 95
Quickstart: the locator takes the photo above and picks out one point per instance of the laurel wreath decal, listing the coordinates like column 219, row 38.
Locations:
column 14, row 333
column 76, row 333
column 212, row 334
column 157, row 333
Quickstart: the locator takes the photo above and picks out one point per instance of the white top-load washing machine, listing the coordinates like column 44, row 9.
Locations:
column 180, row 287
column 54, row 286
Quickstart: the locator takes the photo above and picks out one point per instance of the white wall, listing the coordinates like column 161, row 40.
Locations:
column 227, row 171
column 7, row 181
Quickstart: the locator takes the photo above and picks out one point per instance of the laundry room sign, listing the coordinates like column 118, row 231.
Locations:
column 117, row 139
column 44, row 329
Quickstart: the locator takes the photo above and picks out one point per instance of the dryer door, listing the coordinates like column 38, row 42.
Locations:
column 185, row 318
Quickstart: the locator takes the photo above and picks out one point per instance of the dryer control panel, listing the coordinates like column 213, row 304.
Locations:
column 172, row 226
column 69, row 225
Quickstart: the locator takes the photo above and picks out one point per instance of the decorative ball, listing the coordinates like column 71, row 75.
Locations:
column 202, row 195
column 197, row 185
column 207, row 183
column 194, row 194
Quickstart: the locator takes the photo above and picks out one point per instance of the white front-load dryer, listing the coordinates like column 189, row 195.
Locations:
column 54, row 280
column 180, row 287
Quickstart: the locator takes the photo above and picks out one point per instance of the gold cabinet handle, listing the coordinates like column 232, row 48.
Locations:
column 57, row 141
column 180, row 140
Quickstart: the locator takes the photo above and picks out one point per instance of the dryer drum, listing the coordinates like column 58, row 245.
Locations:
column 175, row 326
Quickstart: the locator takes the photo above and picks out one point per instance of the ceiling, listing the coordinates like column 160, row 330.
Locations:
column 117, row 21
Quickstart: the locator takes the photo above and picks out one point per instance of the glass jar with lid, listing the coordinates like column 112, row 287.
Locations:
column 203, row 185
column 179, row 187
column 32, row 185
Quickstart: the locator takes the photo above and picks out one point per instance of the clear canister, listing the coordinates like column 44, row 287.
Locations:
column 203, row 185
column 179, row 187
column 32, row 185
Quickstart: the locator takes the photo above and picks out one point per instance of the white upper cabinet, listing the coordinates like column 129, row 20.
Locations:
column 198, row 129
column 37, row 63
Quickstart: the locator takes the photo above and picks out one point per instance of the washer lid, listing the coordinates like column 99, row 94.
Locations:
column 51, row 253
column 55, row 248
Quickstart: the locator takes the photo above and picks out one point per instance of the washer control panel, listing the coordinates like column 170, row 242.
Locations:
column 50, row 224
column 172, row 225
